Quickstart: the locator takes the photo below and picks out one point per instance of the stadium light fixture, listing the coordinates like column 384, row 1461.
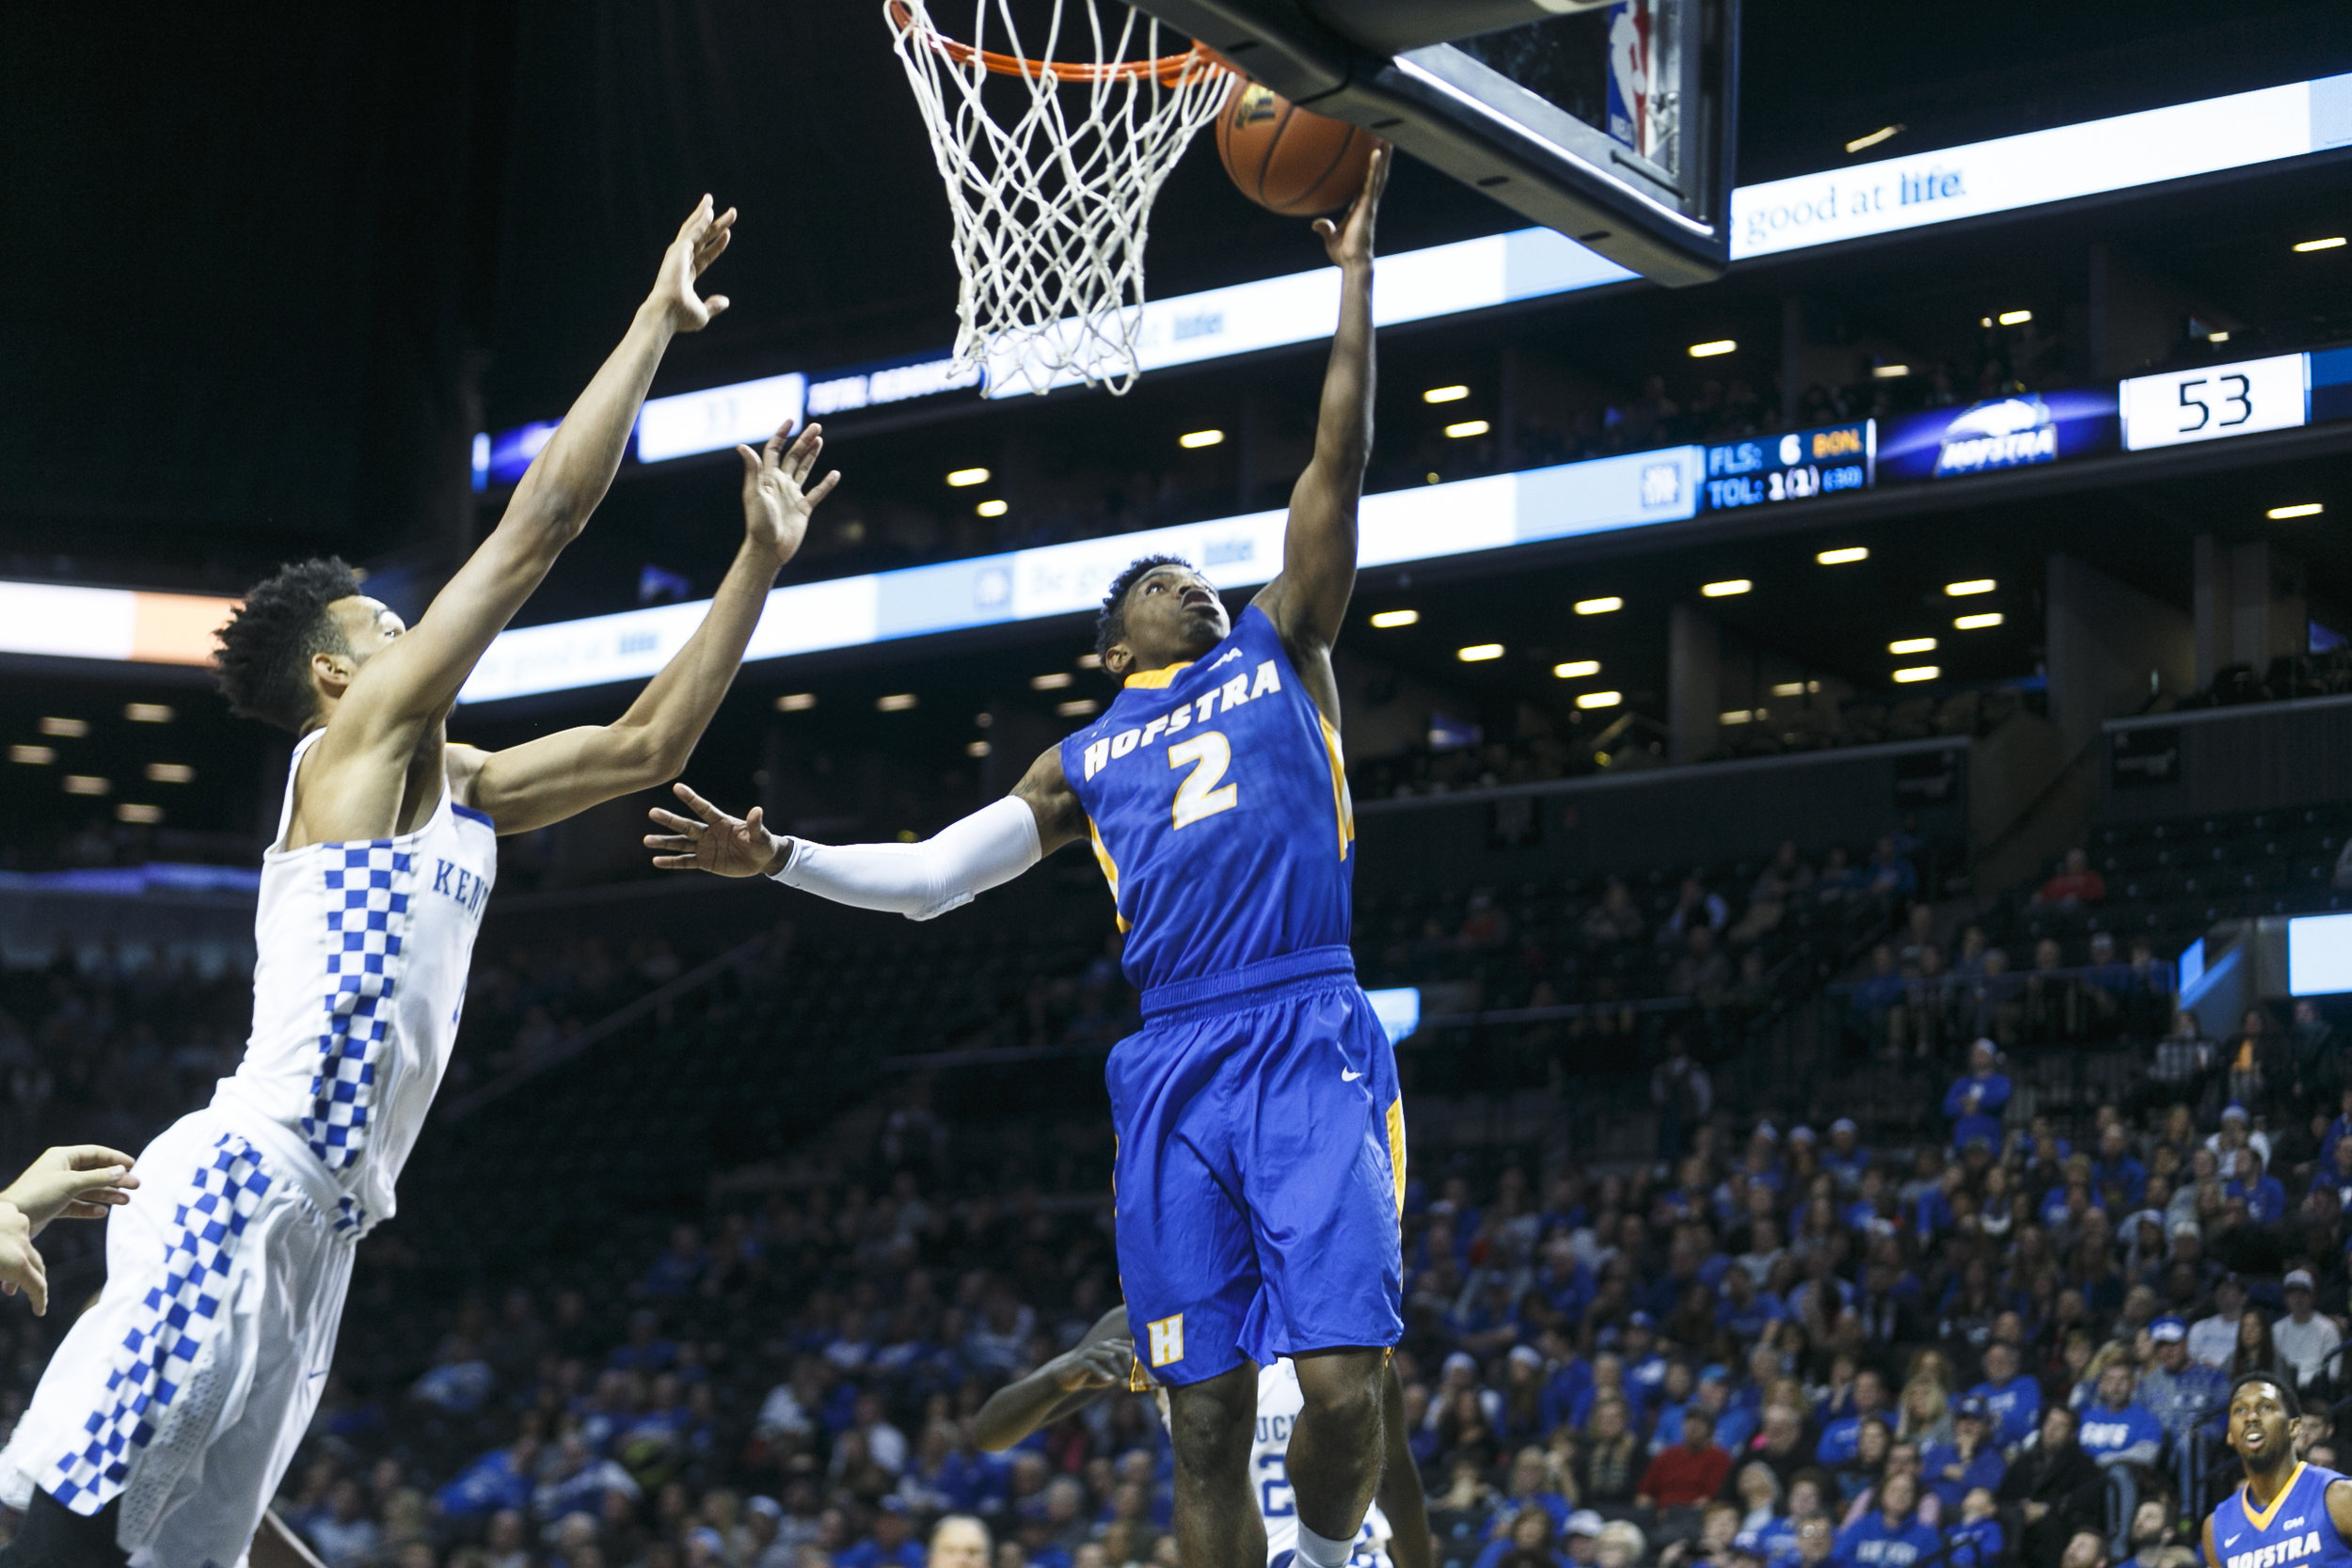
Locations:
column 2221, row 336
column 2307, row 509
column 2332, row 243
column 1052, row 681
column 1445, row 394
column 1078, row 707
column 1912, row 646
column 145, row 816
column 1977, row 623
column 963, row 479
column 65, row 729
column 1388, row 620
column 171, row 773
column 1466, row 429
column 1917, row 673
column 1845, row 556
column 1884, row 133
column 1599, row 607
column 1577, row 669
column 1711, row 350
column 976, row 749
column 1192, row 440
column 898, row 701
column 1599, row 699
column 1089, row 661
column 991, row 508
column 796, row 702
column 1796, row 689
column 36, row 756
column 149, row 713
column 1973, row 585
column 2015, row 318
column 87, row 784
column 1726, row 588
column 1890, row 372
column 1479, row 652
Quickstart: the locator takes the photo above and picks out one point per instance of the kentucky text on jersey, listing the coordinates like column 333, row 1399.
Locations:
column 455, row 881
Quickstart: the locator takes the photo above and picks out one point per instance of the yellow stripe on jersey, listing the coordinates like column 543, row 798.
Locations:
column 1157, row 677
column 2260, row 1518
column 1343, row 804
column 1396, row 1150
column 1110, row 870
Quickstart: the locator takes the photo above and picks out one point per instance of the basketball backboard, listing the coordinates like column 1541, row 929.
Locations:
column 1610, row 120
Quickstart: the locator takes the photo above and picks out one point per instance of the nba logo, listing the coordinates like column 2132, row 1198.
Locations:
column 1168, row 1339
column 1632, row 35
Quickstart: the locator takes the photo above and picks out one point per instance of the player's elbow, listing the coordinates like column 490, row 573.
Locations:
column 644, row 757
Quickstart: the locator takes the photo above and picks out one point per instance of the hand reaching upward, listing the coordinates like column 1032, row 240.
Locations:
column 1348, row 242
column 700, row 240
column 725, row 846
column 777, row 497
column 80, row 1182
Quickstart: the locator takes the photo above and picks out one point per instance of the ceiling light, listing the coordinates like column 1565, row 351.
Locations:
column 171, row 773
column 1917, row 673
column 976, row 749
column 1053, row 682
column 1467, row 428
column 796, row 702
column 1986, row 320
column 1089, row 661
column 1389, row 619
column 1845, row 556
column 1445, row 394
column 1890, row 372
column 1708, row 351
column 983, row 720
column 1882, row 134
column 963, row 479
column 1577, row 669
column 1598, row 607
column 1479, row 652
column 146, row 815
column 38, row 757
column 148, row 713
column 84, row 784
column 898, row 701
column 1974, row 585
column 2330, row 242
column 1599, row 699
column 1796, row 689
column 1978, row 623
column 1726, row 588
column 1436, row 478
column 1912, row 646
column 2308, row 509
column 1742, row 716
column 70, row 729
column 1194, row 440
column 2015, row 318
column 991, row 508
column 1078, row 707
column 2217, row 337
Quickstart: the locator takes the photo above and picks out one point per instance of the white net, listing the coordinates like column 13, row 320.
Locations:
column 1052, row 186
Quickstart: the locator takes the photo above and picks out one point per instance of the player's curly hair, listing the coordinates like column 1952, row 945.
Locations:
column 264, row 651
column 1110, row 625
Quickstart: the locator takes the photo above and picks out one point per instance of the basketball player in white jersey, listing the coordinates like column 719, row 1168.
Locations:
column 1104, row 1359
column 166, row 1419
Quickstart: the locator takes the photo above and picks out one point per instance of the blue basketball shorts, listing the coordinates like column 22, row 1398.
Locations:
column 1260, row 1168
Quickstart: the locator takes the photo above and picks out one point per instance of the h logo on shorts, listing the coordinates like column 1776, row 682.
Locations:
column 1168, row 1339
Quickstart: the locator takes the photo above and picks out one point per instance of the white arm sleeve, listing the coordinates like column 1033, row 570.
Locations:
column 964, row 859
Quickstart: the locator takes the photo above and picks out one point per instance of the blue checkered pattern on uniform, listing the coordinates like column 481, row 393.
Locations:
column 368, row 894
column 152, row 1363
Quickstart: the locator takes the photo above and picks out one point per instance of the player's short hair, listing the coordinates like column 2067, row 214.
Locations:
column 2283, row 1382
column 264, row 651
column 1110, row 625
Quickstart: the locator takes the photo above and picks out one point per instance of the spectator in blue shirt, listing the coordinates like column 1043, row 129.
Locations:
column 500, row 1478
column 1839, row 1439
column 1975, row 1102
column 2181, row 1392
column 1845, row 1159
column 2265, row 1197
column 1976, row 1541
column 2115, row 1167
column 2013, row 1401
column 1891, row 1536
column 2117, row 1429
column 1971, row 1459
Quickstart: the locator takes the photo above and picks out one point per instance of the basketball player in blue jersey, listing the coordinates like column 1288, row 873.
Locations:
column 1260, row 1137
column 2289, row 1514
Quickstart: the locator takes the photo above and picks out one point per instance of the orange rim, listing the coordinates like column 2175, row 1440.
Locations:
column 1167, row 69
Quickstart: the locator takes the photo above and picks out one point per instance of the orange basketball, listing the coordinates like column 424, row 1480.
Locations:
column 1286, row 159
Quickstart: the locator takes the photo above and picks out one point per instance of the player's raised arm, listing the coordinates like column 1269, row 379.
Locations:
column 412, row 683
column 562, row 774
column 1069, row 1382
column 1308, row 601
column 962, row 861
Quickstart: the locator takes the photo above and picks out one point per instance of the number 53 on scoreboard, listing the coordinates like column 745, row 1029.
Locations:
column 2215, row 400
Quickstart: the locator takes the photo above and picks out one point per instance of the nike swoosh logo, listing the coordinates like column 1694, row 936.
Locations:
column 1349, row 1075
column 2228, row 1541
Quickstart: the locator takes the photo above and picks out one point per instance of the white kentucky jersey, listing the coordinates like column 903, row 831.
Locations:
column 363, row 947
column 1279, row 1400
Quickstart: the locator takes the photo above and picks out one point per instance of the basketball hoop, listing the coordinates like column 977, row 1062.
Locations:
column 1052, row 199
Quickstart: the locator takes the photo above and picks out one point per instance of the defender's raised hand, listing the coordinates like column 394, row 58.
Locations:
column 777, row 497
column 700, row 240
column 1348, row 242
column 79, row 1181
column 722, row 845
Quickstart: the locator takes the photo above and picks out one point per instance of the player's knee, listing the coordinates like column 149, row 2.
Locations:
column 1211, row 1428
column 1347, row 1388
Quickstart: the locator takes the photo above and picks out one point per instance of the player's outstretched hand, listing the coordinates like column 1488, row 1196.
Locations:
column 777, row 497
column 1099, row 1364
column 21, row 1267
column 79, row 1181
column 713, row 841
column 1348, row 242
column 700, row 240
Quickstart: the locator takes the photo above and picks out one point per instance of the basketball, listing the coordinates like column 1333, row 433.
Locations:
column 1287, row 159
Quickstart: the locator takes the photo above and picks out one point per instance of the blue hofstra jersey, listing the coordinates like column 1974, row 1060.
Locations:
column 1217, row 800
column 2294, row 1529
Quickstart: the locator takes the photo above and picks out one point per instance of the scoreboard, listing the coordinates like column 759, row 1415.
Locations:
column 1802, row 464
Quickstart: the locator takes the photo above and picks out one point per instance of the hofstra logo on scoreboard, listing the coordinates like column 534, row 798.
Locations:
column 2001, row 433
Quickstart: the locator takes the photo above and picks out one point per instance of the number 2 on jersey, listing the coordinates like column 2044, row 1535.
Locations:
column 1199, row 796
